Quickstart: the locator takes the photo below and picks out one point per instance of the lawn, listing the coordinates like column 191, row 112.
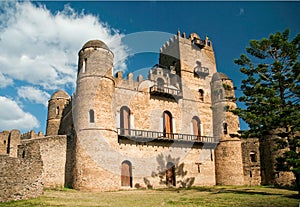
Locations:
column 197, row 196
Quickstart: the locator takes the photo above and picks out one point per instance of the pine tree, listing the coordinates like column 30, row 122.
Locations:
column 271, row 95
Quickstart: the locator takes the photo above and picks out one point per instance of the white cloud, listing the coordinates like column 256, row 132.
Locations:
column 34, row 94
column 13, row 116
column 5, row 81
column 41, row 48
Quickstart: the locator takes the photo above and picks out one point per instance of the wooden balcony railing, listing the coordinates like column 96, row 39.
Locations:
column 145, row 135
column 165, row 91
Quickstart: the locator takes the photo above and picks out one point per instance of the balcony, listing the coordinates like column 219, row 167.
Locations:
column 167, row 92
column 201, row 71
column 145, row 136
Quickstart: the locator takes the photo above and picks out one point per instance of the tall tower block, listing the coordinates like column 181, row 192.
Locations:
column 228, row 153
column 193, row 60
column 56, row 106
column 93, row 104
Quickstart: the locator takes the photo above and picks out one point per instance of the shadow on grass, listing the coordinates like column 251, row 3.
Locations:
column 246, row 190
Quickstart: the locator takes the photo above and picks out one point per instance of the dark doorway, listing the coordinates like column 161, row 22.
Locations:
column 170, row 174
column 126, row 174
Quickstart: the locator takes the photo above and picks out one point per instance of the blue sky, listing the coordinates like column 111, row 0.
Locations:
column 39, row 42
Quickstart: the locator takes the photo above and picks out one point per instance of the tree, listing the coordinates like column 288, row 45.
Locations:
column 271, row 95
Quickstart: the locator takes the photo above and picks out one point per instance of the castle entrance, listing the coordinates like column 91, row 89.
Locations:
column 126, row 176
column 170, row 174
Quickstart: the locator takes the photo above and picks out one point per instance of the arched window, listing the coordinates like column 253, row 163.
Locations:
column 84, row 65
column 126, row 173
column 92, row 117
column 196, row 126
column 253, row 157
column 170, row 174
column 167, row 124
column 201, row 95
column 125, row 120
column 225, row 131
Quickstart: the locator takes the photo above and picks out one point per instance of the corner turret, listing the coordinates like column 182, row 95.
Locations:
column 56, row 105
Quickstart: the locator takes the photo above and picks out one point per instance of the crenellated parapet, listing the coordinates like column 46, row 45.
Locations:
column 31, row 135
column 129, row 82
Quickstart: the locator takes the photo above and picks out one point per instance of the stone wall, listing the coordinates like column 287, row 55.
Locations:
column 251, row 161
column 9, row 141
column 229, row 169
column 4, row 142
column 268, row 161
column 21, row 178
column 52, row 150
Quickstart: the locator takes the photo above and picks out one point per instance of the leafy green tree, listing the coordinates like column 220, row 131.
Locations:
column 271, row 95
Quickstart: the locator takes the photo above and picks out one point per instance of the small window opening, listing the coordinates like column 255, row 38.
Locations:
column 92, row 117
column 201, row 95
column 23, row 154
column 221, row 94
column 84, row 65
column 57, row 110
column 253, row 157
column 225, row 131
column 4, row 142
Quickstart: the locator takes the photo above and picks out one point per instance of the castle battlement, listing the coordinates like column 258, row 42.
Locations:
column 31, row 134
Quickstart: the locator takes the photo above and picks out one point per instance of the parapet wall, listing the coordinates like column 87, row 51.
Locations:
column 20, row 178
column 31, row 134
column 52, row 150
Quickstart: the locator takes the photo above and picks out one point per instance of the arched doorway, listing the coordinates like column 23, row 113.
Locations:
column 196, row 126
column 126, row 173
column 125, row 120
column 170, row 174
column 167, row 124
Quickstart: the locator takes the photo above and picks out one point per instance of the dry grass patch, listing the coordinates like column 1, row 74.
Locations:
column 197, row 196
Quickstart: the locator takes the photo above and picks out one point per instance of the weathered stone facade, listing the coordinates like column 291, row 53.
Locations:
column 173, row 128
column 21, row 177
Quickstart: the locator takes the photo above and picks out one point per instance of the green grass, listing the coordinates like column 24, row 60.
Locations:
column 197, row 196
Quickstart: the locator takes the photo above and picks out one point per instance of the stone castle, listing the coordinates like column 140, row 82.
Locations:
column 173, row 128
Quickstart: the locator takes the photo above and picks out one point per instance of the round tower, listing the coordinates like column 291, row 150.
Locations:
column 56, row 105
column 93, row 116
column 228, row 154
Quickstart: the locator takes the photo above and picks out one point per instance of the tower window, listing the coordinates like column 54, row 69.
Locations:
column 201, row 95
column 225, row 131
column 125, row 120
column 253, row 157
column 92, row 117
column 84, row 64
column 57, row 110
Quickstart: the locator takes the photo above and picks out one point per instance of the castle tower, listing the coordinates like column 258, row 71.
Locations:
column 228, row 153
column 56, row 106
column 93, row 116
column 194, row 62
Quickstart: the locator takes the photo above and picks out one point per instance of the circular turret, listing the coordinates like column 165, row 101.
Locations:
column 95, row 44
column 91, row 54
column 61, row 94
column 56, row 105
column 92, row 110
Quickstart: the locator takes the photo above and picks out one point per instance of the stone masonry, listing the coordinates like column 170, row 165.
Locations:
column 172, row 128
